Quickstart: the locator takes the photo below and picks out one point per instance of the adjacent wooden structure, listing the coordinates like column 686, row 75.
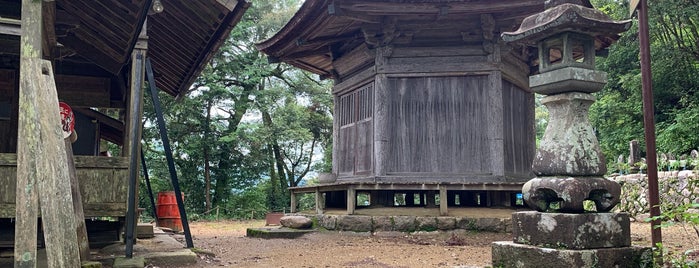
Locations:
column 428, row 100
column 89, row 45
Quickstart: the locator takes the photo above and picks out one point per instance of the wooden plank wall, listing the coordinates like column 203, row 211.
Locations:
column 356, row 134
column 8, row 111
column 437, row 125
column 102, row 185
column 519, row 133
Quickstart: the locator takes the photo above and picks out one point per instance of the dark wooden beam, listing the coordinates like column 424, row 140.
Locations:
column 84, row 91
column 49, row 38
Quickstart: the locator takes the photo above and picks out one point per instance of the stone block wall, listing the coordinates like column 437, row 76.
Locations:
column 358, row 223
column 676, row 188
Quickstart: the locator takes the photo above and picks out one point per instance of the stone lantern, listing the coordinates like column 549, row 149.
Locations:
column 569, row 163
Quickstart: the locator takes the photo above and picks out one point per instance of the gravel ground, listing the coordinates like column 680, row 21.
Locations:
column 224, row 245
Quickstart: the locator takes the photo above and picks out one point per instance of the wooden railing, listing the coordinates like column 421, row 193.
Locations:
column 103, row 185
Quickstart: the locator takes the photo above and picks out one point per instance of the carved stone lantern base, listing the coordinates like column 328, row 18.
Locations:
column 567, row 194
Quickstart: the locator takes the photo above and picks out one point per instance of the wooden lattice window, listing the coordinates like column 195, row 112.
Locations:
column 357, row 105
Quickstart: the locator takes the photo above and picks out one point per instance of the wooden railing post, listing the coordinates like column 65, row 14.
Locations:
column 41, row 156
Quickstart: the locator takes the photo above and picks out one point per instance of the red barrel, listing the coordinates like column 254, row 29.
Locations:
column 167, row 211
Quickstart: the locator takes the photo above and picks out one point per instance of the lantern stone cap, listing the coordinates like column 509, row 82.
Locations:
column 569, row 79
column 565, row 17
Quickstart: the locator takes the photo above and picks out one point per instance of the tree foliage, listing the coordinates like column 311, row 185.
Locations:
column 617, row 115
column 248, row 129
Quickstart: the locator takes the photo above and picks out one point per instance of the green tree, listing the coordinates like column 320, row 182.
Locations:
column 617, row 115
column 247, row 129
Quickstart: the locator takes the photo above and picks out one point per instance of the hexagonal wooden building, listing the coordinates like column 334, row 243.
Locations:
column 428, row 99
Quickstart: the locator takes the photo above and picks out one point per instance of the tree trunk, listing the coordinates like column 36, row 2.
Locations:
column 207, row 167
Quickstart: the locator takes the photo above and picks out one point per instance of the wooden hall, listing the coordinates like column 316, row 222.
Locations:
column 430, row 103
column 97, row 52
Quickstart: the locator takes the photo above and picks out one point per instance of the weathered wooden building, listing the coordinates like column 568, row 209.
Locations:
column 427, row 98
column 91, row 46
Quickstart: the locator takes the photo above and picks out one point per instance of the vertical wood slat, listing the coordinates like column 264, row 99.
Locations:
column 518, row 129
column 8, row 103
column 80, row 228
column 436, row 125
column 354, row 145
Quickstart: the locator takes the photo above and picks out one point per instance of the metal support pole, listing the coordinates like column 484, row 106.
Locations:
column 168, row 153
column 649, row 122
column 150, row 190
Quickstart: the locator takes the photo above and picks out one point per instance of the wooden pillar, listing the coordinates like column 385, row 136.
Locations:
column 443, row 203
column 132, row 140
column 409, row 199
column 293, row 203
column 374, row 198
column 492, row 199
column 430, row 199
column 41, row 156
column 319, row 202
column 451, row 198
column 381, row 101
column 336, row 136
column 494, row 115
column 422, row 199
column 351, row 200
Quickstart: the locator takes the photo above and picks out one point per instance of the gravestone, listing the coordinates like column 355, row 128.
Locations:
column 634, row 155
column 569, row 163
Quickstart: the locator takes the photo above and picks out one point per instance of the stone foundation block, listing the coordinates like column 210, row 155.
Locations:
column 508, row 254
column 572, row 231
column 404, row 223
column 383, row 223
column 354, row 223
column 328, row 222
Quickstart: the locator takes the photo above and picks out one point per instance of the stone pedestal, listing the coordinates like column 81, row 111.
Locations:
column 570, row 240
column 571, row 231
column 509, row 254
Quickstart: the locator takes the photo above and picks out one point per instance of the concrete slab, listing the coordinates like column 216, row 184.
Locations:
column 123, row 262
column 162, row 249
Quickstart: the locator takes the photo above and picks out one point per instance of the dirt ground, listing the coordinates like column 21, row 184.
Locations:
column 223, row 244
